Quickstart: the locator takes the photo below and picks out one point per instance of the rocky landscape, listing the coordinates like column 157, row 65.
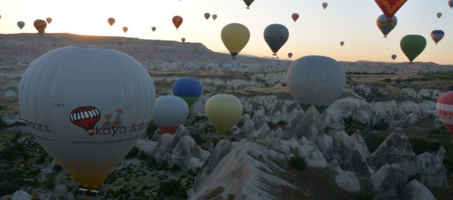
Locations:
column 381, row 139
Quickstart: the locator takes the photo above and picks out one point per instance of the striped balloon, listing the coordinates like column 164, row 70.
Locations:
column 40, row 26
column 223, row 111
column 437, row 35
column 444, row 108
column 188, row 88
column 85, row 117
column 235, row 36
column 386, row 25
column 177, row 21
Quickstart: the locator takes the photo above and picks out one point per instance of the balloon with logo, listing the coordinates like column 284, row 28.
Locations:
column 235, row 36
column 439, row 14
column 20, row 24
column 49, row 20
column 394, row 56
column 437, row 35
column 316, row 81
column 207, row 15
column 153, row 28
column 444, row 108
column 170, row 112
column 188, row 88
column 341, row 43
column 276, row 36
column 223, row 111
column 324, row 5
column 214, row 16
column 295, row 16
column 386, row 25
column 111, row 21
column 177, row 21
column 84, row 119
column 290, row 55
column 390, row 7
column 248, row 3
column 413, row 46
column 40, row 26
column 125, row 29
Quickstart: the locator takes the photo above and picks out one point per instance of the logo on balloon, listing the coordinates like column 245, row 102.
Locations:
column 85, row 117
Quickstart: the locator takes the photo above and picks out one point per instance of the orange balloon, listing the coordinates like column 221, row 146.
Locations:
column 40, row 25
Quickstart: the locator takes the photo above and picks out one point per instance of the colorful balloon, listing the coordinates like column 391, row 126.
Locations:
column 386, row 25
column 125, row 29
column 40, row 26
column 111, row 21
column 207, row 15
column 183, row 40
column 20, row 24
column 437, row 35
column 188, row 88
column 153, row 28
column 412, row 46
column 49, row 20
column 341, row 43
column 290, row 55
column 276, row 36
column 295, row 16
column 444, row 108
column 170, row 112
column 177, row 21
column 235, row 36
column 248, row 3
column 223, row 111
column 316, row 81
column 394, row 56
column 324, row 5
column 214, row 16
column 390, row 7
column 85, row 120
column 439, row 15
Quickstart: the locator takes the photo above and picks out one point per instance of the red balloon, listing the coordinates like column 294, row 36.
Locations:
column 444, row 108
column 295, row 16
column 390, row 7
column 177, row 21
column 183, row 40
column 207, row 15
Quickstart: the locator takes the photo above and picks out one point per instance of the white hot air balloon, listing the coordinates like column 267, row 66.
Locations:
column 170, row 112
column 316, row 81
column 87, row 107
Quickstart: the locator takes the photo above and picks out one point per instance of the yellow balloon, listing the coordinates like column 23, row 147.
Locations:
column 223, row 111
column 235, row 36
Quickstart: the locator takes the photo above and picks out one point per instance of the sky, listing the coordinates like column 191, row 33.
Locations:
column 317, row 31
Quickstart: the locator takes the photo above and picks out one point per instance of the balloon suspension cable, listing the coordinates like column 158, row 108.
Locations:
column 411, row 62
column 234, row 57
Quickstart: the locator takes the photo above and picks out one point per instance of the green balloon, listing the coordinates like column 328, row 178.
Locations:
column 413, row 46
column 248, row 3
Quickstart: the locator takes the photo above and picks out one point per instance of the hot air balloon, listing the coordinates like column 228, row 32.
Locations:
column 248, row 3
column 233, row 65
column 341, row 43
column 125, row 29
column 439, row 15
column 207, row 15
column 235, row 36
column 83, row 107
column 316, row 81
column 394, row 56
column 223, row 111
column 412, row 46
column 188, row 88
column 437, row 35
column 170, row 112
column 276, row 36
column 40, row 26
column 120, row 43
column 295, row 16
column 20, row 24
column 450, row 3
column 111, row 21
column 324, row 5
column 390, row 7
column 444, row 109
column 153, row 28
column 49, row 20
column 290, row 55
column 183, row 40
column 386, row 25
column 177, row 21
column 214, row 16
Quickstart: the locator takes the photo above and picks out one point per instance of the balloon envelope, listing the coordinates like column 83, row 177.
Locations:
column 444, row 108
column 223, row 111
column 450, row 3
column 125, row 29
column 170, row 112
column 86, row 120
column 341, row 43
column 390, row 7
column 153, row 28
column 316, row 81
column 248, row 3
column 207, row 15
column 290, row 55
column 295, row 16
column 40, row 26
column 183, row 40
column 439, row 15
column 276, row 36
column 20, row 24
column 235, row 36
column 49, row 20
column 386, row 25
column 437, row 35
column 188, row 88
column 413, row 46
column 111, row 21
column 214, row 16
column 394, row 56
column 324, row 5
column 177, row 21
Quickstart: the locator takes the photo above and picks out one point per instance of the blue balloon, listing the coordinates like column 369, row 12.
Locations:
column 233, row 65
column 187, row 87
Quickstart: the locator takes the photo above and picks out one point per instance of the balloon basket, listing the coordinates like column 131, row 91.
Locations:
column 88, row 194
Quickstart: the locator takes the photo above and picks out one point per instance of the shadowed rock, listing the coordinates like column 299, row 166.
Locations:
column 416, row 191
column 360, row 144
column 347, row 155
column 389, row 181
column 60, row 193
column 348, row 181
column 431, row 170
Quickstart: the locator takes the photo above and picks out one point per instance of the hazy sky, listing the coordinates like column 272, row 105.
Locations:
column 317, row 32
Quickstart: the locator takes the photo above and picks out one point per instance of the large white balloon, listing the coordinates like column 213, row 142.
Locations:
column 87, row 107
column 170, row 113
column 316, row 81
